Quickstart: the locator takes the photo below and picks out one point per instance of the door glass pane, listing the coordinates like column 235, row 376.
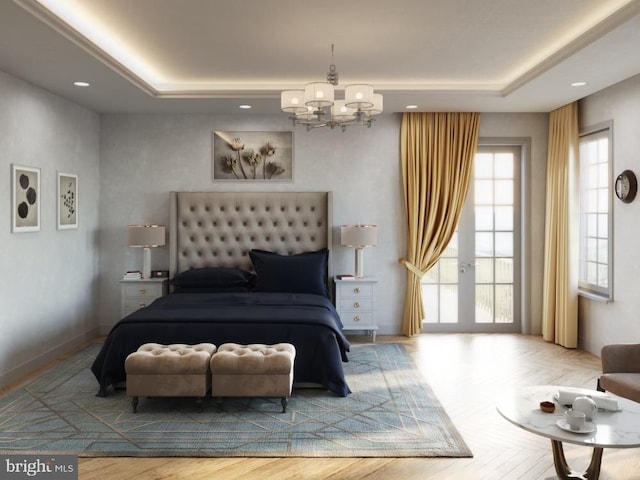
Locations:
column 504, row 270
column 484, row 244
column 449, row 297
column 504, row 244
column 430, row 298
column 484, row 270
column 504, row 192
column 448, row 270
column 484, row 303
column 504, row 303
column 484, row 192
column 504, row 218
column 484, row 218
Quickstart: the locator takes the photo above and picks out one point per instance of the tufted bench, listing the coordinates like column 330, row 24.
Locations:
column 255, row 370
column 177, row 370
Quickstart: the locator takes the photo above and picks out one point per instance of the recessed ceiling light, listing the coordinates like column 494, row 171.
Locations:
column 578, row 84
column 245, row 107
column 411, row 107
column 81, row 84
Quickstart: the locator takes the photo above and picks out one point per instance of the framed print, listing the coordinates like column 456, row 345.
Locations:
column 252, row 156
column 25, row 199
column 67, row 201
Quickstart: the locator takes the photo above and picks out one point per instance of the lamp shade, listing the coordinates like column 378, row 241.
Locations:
column 359, row 236
column 146, row 235
column 358, row 96
column 319, row 94
column 292, row 101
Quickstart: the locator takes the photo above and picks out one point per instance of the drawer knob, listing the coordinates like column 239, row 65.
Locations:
column 356, row 305
column 142, row 304
column 143, row 291
column 356, row 290
column 356, row 318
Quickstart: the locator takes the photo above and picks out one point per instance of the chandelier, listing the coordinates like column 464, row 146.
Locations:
column 317, row 106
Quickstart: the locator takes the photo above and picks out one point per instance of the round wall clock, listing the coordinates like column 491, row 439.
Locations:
column 626, row 186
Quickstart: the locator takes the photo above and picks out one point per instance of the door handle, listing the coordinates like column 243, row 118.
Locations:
column 464, row 265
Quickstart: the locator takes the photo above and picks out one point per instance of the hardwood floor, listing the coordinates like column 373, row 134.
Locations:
column 467, row 372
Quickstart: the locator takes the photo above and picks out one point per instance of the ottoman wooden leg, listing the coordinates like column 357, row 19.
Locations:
column 134, row 404
column 284, row 402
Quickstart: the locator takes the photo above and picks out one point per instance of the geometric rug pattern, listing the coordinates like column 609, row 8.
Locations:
column 392, row 412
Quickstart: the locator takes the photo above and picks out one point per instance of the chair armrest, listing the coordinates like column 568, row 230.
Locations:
column 620, row 358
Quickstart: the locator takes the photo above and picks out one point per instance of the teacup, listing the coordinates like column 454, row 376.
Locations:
column 587, row 406
column 575, row 419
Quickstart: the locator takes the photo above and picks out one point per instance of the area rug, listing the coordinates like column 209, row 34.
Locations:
column 392, row 412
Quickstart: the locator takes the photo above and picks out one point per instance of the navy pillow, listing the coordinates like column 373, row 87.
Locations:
column 213, row 278
column 302, row 273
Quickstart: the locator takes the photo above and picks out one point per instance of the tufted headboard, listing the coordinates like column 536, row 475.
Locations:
column 217, row 229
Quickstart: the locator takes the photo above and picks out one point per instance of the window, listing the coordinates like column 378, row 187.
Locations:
column 596, row 242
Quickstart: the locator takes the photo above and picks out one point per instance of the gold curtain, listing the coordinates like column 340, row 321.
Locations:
column 560, row 297
column 436, row 151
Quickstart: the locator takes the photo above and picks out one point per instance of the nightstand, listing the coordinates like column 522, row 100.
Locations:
column 355, row 304
column 135, row 294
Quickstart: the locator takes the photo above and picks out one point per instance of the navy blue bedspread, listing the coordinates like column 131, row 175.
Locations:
column 309, row 322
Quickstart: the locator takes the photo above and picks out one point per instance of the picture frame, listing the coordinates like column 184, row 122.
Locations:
column 25, row 199
column 67, row 204
column 252, row 156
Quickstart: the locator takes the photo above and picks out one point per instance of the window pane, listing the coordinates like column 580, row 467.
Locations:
column 504, row 218
column 603, row 225
column 504, row 165
column 504, row 192
column 432, row 275
column 483, row 165
column 484, row 192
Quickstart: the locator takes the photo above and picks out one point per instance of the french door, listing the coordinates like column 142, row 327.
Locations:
column 475, row 286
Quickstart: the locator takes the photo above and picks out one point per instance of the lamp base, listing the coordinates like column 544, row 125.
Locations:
column 146, row 262
column 359, row 263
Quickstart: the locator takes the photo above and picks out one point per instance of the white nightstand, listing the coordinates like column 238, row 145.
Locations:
column 135, row 294
column 355, row 304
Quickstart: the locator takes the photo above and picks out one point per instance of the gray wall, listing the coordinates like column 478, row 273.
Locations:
column 618, row 321
column 48, row 286
column 143, row 157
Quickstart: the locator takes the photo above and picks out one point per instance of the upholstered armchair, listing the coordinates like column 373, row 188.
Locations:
column 621, row 370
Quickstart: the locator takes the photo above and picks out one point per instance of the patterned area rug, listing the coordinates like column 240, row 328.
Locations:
column 391, row 413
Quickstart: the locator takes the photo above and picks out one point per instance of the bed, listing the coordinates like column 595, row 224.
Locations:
column 245, row 267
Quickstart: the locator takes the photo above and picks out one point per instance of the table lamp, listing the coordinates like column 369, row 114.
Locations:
column 359, row 237
column 147, row 237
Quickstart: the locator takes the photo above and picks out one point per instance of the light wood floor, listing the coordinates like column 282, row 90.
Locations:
column 467, row 373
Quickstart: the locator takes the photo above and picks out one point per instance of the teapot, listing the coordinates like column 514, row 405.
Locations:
column 587, row 406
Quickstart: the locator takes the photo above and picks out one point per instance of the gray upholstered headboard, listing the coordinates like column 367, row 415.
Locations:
column 217, row 229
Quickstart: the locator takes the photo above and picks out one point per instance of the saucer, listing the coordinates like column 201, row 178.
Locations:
column 588, row 427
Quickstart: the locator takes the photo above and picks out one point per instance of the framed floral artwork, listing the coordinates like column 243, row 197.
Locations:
column 25, row 199
column 67, row 201
column 252, row 156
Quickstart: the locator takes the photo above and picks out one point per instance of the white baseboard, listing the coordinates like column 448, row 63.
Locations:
column 15, row 374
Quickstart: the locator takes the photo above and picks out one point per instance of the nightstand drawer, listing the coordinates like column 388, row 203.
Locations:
column 355, row 320
column 147, row 290
column 131, row 304
column 356, row 304
column 358, row 290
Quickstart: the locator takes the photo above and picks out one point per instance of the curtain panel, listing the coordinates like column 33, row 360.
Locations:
column 560, row 291
column 436, row 152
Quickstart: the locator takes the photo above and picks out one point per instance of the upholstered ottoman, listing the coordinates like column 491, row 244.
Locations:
column 177, row 370
column 255, row 370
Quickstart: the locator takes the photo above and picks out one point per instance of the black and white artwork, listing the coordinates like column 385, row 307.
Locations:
column 67, row 201
column 252, row 156
column 25, row 199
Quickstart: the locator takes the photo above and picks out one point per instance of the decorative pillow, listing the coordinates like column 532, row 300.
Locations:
column 214, row 278
column 302, row 273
